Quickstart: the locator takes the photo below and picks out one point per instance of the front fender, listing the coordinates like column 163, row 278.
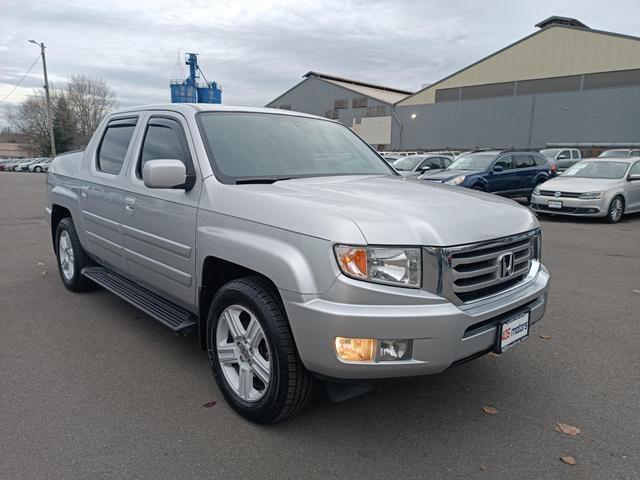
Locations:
column 292, row 261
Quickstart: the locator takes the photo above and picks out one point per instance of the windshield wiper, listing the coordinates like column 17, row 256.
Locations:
column 265, row 180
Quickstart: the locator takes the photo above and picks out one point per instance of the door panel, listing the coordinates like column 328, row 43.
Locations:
column 101, row 199
column 506, row 181
column 159, row 225
column 632, row 190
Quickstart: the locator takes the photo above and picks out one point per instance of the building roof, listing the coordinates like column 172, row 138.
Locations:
column 556, row 20
column 384, row 94
column 545, row 25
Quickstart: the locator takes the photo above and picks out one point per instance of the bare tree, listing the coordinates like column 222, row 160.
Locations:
column 30, row 119
column 90, row 99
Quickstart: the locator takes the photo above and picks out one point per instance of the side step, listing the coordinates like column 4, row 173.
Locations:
column 174, row 317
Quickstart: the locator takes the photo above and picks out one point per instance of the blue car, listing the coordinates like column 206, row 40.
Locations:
column 511, row 173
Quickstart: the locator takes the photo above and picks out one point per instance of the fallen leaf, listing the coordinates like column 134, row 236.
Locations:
column 545, row 337
column 209, row 404
column 568, row 460
column 568, row 429
column 490, row 410
column 43, row 273
column 41, row 264
column 493, row 355
column 635, row 290
column 483, row 467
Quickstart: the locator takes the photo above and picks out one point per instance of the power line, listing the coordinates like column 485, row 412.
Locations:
column 21, row 80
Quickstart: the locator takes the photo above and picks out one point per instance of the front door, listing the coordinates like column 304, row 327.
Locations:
column 159, row 225
column 633, row 189
column 504, row 182
column 101, row 194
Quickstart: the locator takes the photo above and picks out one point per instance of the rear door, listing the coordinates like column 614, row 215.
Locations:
column 101, row 193
column 159, row 225
column 506, row 181
column 527, row 171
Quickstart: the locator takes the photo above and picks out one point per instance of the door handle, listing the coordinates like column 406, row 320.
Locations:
column 84, row 191
column 129, row 205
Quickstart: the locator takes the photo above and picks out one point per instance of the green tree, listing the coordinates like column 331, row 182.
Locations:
column 64, row 127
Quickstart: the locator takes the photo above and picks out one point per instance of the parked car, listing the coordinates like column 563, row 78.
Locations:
column 592, row 188
column 40, row 165
column 620, row 153
column 24, row 166
column 4, row 163
column 561, row 158
column 414, row 165
column 295, row 252
column 511, row 173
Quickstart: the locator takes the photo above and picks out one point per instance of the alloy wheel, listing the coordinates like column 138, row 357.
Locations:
column 243, row 353
column 65, row 253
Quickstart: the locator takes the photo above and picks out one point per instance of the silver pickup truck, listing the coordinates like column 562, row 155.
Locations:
column 293, row 249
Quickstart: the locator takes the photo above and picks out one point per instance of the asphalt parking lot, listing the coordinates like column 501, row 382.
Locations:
column 92, row 388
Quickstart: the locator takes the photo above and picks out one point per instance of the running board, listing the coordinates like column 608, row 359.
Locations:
column 166, row 312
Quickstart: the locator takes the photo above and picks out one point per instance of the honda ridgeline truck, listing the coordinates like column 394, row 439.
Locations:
column 292, row 248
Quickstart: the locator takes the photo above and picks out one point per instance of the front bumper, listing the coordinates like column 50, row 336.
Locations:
column 443, row 334
column 571, row 206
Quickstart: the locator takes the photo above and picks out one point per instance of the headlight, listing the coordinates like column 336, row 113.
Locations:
column 390, row 266
column 455, row 181
column 536, row 191
column 591, row 195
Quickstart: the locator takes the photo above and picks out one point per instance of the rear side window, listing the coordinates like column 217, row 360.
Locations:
column 164, row 139
column 575, row 154
column 635, row 153
column 114, row 145
column 522, row 161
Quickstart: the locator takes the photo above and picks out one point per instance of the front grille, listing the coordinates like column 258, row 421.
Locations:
column 472, row 272
column 552, row 193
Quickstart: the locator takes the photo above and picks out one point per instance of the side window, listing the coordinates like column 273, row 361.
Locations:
column 635, row 153
column 163, row 139
column 575, row 154
column 522, row 161
column 504, row 162
column 635, row 169
column 114, row 145
column 564, row 155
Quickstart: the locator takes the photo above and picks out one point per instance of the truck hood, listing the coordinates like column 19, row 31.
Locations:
column 579, row 185
column 383, row 210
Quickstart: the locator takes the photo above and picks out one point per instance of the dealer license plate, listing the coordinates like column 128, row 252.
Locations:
column 555, row 204
column 512, row 332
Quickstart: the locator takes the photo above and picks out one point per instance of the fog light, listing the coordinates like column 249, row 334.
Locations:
column 356, row 349
column 394, row 350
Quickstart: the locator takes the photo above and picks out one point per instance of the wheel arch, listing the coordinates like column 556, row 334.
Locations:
column 58, row 212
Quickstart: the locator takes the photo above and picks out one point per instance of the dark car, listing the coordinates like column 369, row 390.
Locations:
column 512, row 173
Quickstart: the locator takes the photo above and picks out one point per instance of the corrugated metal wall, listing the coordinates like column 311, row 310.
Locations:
column 585, row 116
column 318, row 97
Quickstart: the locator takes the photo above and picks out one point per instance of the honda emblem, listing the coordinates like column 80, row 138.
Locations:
column 506, row 264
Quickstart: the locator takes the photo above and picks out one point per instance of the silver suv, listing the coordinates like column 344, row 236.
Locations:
column 293, row 250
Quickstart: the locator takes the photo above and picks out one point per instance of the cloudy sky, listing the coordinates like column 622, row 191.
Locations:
column 257, row 49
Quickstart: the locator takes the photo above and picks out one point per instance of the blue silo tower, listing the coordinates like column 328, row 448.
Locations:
column 190, row 90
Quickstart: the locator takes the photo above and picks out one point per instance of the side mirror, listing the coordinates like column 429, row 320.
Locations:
column 164, row 174
column 633, row 177
column 498, row 168
column 424, row 168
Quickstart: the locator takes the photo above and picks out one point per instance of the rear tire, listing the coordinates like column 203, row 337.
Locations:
column 71, row 257
column 616, row 210
column 287, row 386
column 38, row 169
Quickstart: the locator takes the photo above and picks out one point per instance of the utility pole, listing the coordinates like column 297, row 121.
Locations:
column 46, row 92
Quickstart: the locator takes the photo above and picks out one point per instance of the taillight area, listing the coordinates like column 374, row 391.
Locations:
column 554, row 168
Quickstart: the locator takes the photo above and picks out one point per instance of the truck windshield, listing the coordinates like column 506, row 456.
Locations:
column 262, row 146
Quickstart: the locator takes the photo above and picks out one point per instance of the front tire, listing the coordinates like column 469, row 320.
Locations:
column 616, row 210
column 38, row 169
column 252, row 353
column 71, row 257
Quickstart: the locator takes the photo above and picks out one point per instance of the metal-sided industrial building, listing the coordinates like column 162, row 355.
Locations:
column 363, row 107
column 565, row 83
